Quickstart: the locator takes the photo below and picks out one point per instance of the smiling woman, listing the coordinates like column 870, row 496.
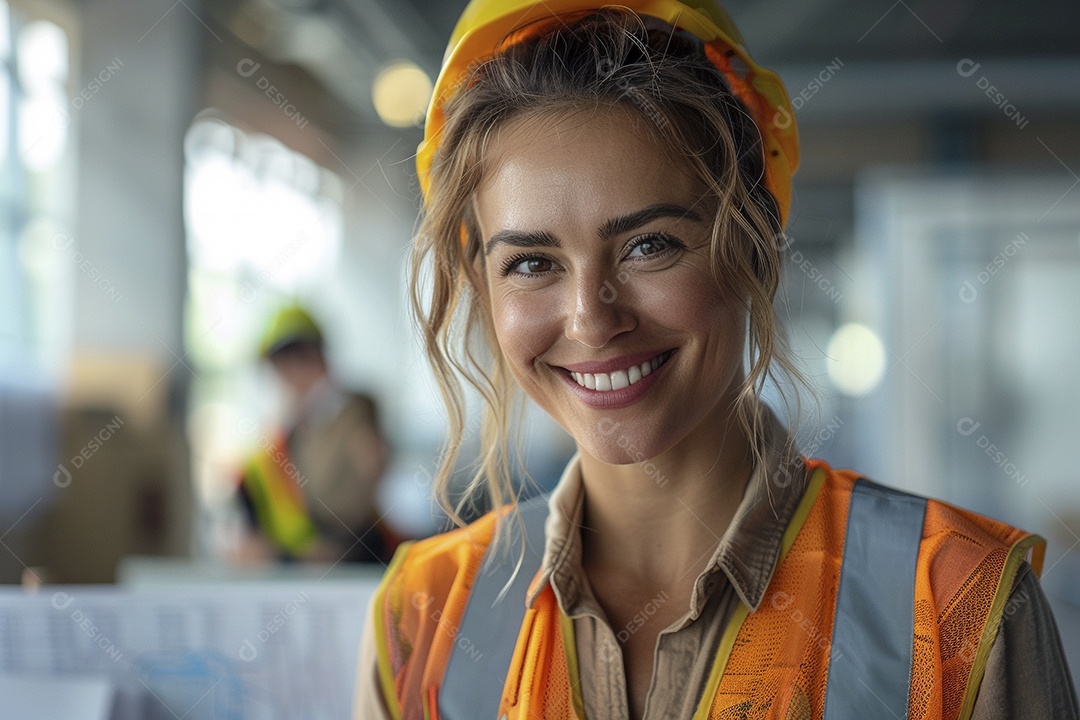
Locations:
column 656, row 89
column 605, row 193
column 623, row 206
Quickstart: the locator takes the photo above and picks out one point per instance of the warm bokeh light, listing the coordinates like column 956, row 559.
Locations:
column 401, row 93
column 856, row 359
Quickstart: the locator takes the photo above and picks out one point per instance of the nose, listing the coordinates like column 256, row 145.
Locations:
column 600, row 309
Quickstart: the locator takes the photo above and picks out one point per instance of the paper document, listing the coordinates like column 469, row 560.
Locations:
column 49, row 698
column 232, row 652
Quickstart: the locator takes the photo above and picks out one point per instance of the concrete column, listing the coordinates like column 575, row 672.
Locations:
column 138, row 66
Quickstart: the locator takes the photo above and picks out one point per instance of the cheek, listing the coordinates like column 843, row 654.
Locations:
column 525, row 325
column 691, row 302
column 688, row 298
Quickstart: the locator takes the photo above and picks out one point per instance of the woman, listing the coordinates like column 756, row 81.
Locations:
column 603, row 190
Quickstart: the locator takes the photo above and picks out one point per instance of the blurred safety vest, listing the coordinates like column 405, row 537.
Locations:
column 880, row 598
column 277, row 498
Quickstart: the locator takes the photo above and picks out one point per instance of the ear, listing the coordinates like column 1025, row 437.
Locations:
column 483, row 290
column 476, row 275
column 472, row 249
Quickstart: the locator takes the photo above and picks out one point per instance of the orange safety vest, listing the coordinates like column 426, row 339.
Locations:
column 270, row 480
column 899, row 595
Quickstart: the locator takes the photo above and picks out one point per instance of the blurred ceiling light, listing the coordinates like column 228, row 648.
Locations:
column 310, row 41
column 401, row 93
column 856, row 359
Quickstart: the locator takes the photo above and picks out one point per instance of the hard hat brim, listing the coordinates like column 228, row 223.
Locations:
column 486, row 26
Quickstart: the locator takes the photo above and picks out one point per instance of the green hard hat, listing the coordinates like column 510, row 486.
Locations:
column 291, row 324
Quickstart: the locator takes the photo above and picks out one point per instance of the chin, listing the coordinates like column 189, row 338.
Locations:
column 615, row 443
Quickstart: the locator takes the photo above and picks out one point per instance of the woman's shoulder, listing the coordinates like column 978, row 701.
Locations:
column 436, row 565
column 941, row 516
column 425, row 588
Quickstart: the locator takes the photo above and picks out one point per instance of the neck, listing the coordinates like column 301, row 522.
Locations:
column 659, row 521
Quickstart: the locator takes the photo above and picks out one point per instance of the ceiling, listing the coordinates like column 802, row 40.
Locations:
column 898, row 56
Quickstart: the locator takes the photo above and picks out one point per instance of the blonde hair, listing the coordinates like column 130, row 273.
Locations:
column 610, row 57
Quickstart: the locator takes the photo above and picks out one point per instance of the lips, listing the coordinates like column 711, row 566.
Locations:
column 623, row 362
column 618, row 379
column 621, row 382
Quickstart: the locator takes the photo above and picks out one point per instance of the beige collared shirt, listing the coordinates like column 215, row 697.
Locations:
column 740, row 569
column 1026, row 675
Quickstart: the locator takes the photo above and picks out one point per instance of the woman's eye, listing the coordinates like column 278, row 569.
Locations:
column 526, row 265
column 652, row 245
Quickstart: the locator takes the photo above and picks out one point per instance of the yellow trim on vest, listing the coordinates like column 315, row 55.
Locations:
column 567, row 627
column 431, row 702
column 801, row 512
column 279, row 506
column 1038, row 555
column 721, row 661
column 386, row 673
column 1017, row 554
column 727, row 642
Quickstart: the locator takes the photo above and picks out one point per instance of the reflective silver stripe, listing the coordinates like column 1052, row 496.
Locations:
column 870, row 665
column 476, row 672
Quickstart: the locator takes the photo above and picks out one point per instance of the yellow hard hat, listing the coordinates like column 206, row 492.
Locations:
column 485, row 24
column 291, row 324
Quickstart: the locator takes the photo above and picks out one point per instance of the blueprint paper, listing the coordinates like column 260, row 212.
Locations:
column 234, row 652
column 49, row 698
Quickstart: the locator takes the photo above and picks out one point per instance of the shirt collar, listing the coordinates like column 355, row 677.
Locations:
column 747, row 553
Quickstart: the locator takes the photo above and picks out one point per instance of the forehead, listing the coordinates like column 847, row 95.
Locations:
column 545, row 170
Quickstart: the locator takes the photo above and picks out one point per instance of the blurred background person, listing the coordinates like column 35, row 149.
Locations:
column 309, row 489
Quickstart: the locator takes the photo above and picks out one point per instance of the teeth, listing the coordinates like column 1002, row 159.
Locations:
column 619, row 379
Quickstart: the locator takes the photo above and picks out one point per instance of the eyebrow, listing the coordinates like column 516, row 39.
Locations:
column 519, row 238
column 611, row 228
column 626, row 223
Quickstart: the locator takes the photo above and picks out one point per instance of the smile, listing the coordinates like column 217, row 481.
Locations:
column 619, row 379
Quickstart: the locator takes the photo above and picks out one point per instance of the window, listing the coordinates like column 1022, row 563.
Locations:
column 264, row 223
column 36, row 251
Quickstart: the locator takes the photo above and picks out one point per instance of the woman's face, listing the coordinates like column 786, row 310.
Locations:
column 596, row 247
